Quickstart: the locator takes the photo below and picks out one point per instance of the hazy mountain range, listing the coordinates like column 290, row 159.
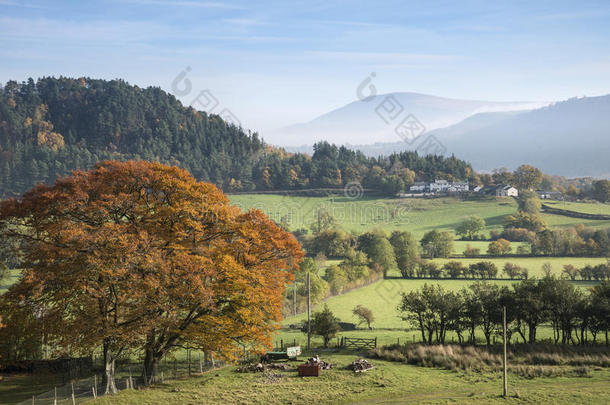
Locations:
column 570, row 138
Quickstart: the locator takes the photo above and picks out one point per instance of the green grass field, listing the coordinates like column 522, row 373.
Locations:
column 415, row 215
column 10, row 280
column 382, row 298
column 387, row 383
column 586, row 208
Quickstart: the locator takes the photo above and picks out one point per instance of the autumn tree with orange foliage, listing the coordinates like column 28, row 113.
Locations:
column 138, row 255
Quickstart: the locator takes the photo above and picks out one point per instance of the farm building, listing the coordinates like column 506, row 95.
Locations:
column 440, row 186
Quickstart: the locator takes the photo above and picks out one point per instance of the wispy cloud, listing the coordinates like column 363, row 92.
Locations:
column 379, row 56
column 350, row 23
column 75, row 31
column 575, row 15
column 244, row 21
column 19, row 4
column 188, row 3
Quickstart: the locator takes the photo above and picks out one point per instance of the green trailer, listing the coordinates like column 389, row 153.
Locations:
column 291, row 353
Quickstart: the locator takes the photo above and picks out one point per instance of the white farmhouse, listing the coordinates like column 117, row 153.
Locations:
column 504, row 190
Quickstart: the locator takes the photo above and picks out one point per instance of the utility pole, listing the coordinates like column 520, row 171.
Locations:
column 294, row 296
column 505, row 382
column 308, row 311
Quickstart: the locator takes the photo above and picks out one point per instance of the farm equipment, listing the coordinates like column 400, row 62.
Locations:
column 291, row 353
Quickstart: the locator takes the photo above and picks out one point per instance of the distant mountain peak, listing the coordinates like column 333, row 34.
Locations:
column 374, row 120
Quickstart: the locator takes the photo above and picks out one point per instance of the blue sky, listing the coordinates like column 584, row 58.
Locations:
column 274, row 63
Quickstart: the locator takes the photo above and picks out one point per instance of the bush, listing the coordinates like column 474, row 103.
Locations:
column 472, row 251
column 325, row 324
column 499, row 247
column 518, row 235
column 455, row 269
column 513, row 271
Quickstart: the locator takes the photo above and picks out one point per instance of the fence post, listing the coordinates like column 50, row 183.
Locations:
column 93, row 390
column 73, row 399
column 33, row 399
column 55, row 397
column 375, row 341
column 308, row 311
column 188, row 354
column 504, row 382
column 94, row 383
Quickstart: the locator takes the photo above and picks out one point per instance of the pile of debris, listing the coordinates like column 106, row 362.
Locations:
column 251, row 368
column 278, row 366
column 272, row 378
column 260, row 367
column 360, row 365
column 312, row 361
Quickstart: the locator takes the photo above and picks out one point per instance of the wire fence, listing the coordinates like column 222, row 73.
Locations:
column 127, row 376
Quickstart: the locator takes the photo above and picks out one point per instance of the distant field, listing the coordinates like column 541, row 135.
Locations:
column 586, row 208
column 12, row 278
column 415, row 215
column 383, row 297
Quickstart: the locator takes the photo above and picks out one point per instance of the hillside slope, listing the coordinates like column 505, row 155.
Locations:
column 570, row 138
column 51, row 127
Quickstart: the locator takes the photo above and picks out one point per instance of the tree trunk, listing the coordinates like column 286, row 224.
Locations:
column 108, row 377
column 532, row 333
column 151, row 360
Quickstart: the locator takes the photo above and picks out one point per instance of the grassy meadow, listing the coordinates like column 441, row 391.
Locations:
column 411, row 214
column 387, row 383
column 382, row 297
column 594, row 207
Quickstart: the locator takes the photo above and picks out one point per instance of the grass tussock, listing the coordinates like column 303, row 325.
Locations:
column 528, row 361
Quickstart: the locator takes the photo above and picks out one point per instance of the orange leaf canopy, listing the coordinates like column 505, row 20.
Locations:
column 140, row 254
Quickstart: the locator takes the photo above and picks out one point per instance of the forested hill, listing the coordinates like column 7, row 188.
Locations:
column 55, row 125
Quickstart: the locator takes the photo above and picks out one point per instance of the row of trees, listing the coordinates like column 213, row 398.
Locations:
column 573, row 315
column 140, row 257
column 588, row 272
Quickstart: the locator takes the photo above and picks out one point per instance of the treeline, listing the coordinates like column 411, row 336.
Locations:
column 55, row 125
column 588, row 272
column 575, row 317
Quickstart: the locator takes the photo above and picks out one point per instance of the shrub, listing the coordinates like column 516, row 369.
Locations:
column 471, row 251
column 499, row 247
